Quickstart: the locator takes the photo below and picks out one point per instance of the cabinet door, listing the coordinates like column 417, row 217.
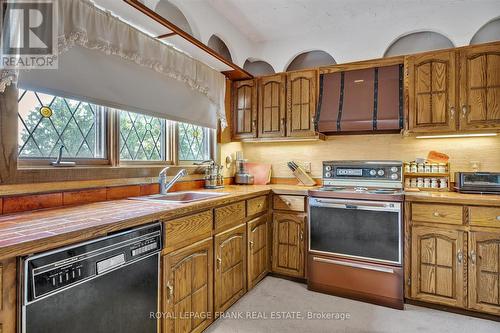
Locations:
column 431, row 89
column 437, row 266
column 230, row 271
column 8, row 296
column 301, row 103
column 288, row 244
column 480, row 87
column 484, row 271
column 258, row 250
column 244, row 110
column 272, row 106
column 187, row 288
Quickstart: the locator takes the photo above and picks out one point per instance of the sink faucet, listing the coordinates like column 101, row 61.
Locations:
column 164, row 185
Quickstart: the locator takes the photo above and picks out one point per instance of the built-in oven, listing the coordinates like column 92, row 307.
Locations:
column 356, row 229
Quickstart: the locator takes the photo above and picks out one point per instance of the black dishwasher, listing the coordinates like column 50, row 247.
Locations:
column 102, row 286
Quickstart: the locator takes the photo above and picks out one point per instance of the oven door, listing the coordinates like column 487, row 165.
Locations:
column 368, row 230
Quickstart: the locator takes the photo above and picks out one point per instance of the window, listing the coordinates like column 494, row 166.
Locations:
column 195, row 143
column 47, row 122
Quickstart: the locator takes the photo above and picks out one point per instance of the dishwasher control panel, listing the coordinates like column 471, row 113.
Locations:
column 49, row 272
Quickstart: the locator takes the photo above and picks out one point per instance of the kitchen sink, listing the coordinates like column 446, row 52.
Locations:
column 181, row 197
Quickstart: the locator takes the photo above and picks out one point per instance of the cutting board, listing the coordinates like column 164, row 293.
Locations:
column 261, row 172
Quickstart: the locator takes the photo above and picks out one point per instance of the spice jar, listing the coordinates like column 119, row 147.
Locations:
column 413, row 167
column 420, row 182
column 442, row 168
column 407, row 168
column 427, row 168
column 443, row 183
column 434, row 168
column 420, row 167
column 413, row 183
column 427, row 182
column 434, row 183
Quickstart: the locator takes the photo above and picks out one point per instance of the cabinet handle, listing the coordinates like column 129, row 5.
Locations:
column 254, row 124
column 219, row 263
column 452, row 112
column 460, row 256
column 301, row 235
column 170, row 292
column 251, row 244
column 288, row 203
column 464, row 111
column 473, row 257
column 498, row 218
column 282, row 122
column 437, row 214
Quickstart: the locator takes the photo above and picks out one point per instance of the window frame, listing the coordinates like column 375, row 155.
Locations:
column 112, row 147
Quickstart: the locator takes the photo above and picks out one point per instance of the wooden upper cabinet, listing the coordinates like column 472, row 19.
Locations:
column 480, row 87
column 484, row 271
column 187, row 288
column 230, row 267
column 244, row 109
column 258, row 250
column 288, row 244
column 437, row 265
column 272, row 106
column 301, row 103
column 431, row 89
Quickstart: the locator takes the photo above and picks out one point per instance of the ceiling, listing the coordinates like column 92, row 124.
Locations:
column 265, row 20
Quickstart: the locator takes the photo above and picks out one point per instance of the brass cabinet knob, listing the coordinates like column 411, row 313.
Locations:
column 498, row 218
column 460, row 256
column 436, row 214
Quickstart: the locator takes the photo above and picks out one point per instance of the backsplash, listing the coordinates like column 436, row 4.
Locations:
column 462, row 151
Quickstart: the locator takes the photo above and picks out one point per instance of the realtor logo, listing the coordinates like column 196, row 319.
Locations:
column 29, row 30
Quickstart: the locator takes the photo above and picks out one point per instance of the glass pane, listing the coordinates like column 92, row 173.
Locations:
column 141, row 137
column 48, row 122
column 194, row 142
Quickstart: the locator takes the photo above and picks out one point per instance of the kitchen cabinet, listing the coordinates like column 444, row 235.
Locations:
column 480, row 87
column 258, row 250
column 301, row 98
column 244, row 109
column 437, row 271
column 288, row 255
column 431, row 88
column 272, row 106
column 484, row 271
column 8, row 296
column 187, row 288
column 230, row 266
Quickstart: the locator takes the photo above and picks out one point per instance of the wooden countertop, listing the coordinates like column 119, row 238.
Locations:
column 454, row 198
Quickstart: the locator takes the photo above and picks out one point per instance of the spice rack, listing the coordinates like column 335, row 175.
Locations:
column 427, row 176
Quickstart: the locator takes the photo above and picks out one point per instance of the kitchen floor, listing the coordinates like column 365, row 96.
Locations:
column 274, row 295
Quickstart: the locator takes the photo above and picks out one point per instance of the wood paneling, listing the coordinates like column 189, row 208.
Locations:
column 484, row 216
column 480, row 87
column 229, row 216
column 272, row 106
column 257, row 205
column 484, row 272
column 431, row 80
column 447, row 214
column 438, row 266
column 187, row 288
column 301, row 103
column 289, row 244
column 8, row 134
column 244, row 109
column 289, row 202
column 258, row 250
column 8, row 296
column 187, row 230
column 230, row 267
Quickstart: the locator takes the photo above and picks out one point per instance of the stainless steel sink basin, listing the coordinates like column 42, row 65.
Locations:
column 181, row 197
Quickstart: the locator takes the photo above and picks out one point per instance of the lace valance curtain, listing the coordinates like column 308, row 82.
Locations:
column 81, row 25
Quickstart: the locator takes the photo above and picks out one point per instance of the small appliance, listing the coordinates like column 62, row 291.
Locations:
column 478, row 182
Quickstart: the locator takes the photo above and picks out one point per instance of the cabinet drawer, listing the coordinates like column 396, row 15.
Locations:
column 296, row 203
column 256, row 205
column 229, row 216
column 447, row 214
column 187, row 230
column 485, row 216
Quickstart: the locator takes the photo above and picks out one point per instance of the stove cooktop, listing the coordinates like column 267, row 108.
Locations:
column 364, row 193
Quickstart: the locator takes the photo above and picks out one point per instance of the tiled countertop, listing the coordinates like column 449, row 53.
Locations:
column 454, row 198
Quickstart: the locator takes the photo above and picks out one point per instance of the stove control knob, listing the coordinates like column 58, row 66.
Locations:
column 381, row 172
column 328, row 168
column 394, row 176
column 394, row 169
column 373, row 172
column 328, row 174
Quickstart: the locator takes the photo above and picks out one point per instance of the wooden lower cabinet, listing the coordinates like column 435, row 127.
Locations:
column 484, row 271
column 230, row 266
column 437, row 271
column 187, row 288
column 289, row 244
column 258, row 250
column 8, row 296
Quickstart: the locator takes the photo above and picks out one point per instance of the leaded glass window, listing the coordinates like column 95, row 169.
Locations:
column 194, row 143
column 142, row 138
column 47, row 122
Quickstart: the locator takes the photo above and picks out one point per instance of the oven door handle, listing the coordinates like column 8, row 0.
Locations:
column 355, row 265
column 353, row 205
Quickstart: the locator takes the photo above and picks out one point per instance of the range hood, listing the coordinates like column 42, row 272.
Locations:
column 365, row 100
